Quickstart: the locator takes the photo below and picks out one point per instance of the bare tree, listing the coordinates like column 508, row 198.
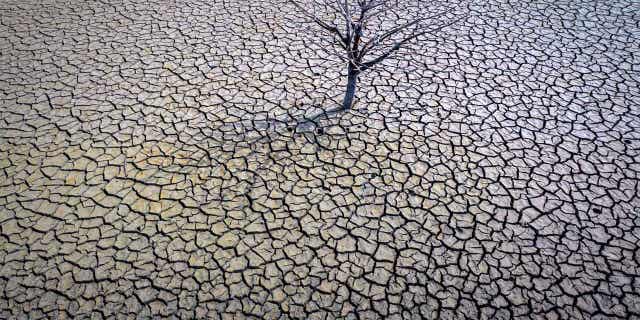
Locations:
column 362, row 31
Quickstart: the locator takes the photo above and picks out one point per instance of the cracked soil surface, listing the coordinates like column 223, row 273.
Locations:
column 150, row 166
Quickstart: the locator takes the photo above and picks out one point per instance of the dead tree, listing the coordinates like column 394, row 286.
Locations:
column 361, row 30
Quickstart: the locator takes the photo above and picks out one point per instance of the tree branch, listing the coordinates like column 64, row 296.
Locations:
column 324, row 25
column 377, row 40
column 399, row 44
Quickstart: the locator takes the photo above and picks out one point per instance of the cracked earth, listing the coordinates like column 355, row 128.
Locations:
column 151, row 165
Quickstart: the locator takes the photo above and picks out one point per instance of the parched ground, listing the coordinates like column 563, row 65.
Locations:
column 147, row 170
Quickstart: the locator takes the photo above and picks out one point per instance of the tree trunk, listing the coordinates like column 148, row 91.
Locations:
column 351, row 88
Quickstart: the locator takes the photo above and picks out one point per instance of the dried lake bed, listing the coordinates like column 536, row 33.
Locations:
column 152, row 165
